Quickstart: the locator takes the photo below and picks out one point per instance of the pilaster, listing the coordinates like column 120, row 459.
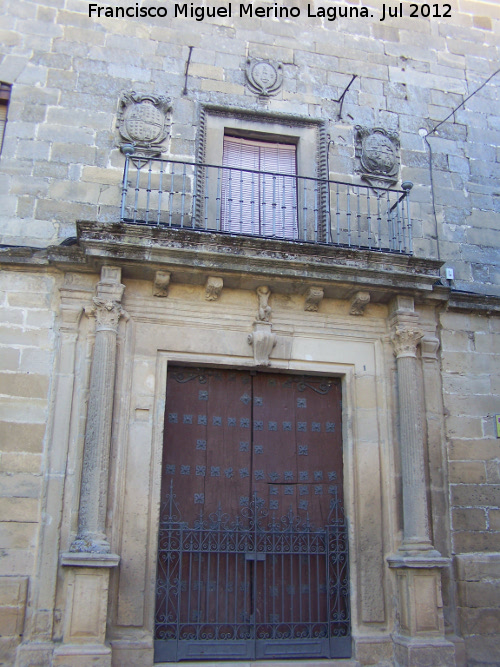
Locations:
column 37, row 648
column 88, row 564
column 419, row 637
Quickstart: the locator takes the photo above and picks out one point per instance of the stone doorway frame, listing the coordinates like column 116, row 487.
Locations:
column 367, row 607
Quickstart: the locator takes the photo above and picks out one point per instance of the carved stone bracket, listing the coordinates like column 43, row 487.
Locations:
column 359, row 303
column 213, row 288
column 263, row 341
column 314, row 296
column 161, row 283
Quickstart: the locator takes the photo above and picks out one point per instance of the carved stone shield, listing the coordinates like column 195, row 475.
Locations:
column 378, row 153
column 264, row 77
column 143, row 123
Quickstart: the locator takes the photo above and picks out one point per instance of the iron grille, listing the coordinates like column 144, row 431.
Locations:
column 251, row 586
column 222, row 199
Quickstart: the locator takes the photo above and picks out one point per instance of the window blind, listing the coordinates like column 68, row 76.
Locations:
column 259, row 190
column 4, row 102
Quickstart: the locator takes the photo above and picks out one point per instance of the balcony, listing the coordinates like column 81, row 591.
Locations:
column 243, row 202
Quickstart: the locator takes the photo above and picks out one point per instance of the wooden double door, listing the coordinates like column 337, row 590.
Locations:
column 252, row 559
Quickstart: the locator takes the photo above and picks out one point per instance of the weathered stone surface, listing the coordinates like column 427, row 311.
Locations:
column 60, row 164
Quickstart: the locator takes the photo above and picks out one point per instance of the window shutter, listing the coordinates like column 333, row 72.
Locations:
column 255, row 202
column 4, row 102
column 3, row 118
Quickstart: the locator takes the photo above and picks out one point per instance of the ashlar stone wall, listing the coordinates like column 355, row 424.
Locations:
column 26, row 353
column 67, row 71
column 471, row 393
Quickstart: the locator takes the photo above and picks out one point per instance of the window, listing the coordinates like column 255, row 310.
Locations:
column 259, row 190
column 4, row 103
column 264, row 174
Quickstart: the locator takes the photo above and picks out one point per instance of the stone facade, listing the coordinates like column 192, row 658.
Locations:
column 93, row 311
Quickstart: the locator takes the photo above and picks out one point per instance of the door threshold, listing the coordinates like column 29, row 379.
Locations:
column 327, row 662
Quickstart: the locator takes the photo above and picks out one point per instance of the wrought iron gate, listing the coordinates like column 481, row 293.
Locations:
column 240, row 576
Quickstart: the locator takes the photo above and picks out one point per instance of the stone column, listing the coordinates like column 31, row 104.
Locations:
column 94, row 485
column 419, row 637
column 406, row 336
column 89, row 561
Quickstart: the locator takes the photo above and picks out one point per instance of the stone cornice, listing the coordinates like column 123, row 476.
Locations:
column 192, row 252
column 341, row 272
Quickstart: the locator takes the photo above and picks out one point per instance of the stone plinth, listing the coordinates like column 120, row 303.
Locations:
column 86, row 602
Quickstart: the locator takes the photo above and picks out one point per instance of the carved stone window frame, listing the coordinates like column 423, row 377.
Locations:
column 308, row 134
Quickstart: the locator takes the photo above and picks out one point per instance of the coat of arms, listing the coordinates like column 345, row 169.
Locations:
column 264, row 77
column 142, row 122
column 377, row 151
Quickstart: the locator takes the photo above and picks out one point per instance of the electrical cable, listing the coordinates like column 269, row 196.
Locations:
column 426, row 137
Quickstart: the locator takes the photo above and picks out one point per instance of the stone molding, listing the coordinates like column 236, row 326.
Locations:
column 78, row 559
column 423, row 561
column 384, row 275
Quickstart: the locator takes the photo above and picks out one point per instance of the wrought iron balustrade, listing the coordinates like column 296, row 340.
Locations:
column 203, row 197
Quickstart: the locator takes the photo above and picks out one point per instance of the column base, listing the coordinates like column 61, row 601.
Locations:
column 82, row 655
column 36, row 654
column 84, row 624
column 420, row 640
column 423, row 652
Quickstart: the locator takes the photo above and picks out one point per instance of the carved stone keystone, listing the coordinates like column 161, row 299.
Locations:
column 213, row 288
column 314, row 296
column 263, row 341
column 161, row 283
column 359, row 303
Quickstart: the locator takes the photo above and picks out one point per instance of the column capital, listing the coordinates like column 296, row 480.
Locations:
column 107, row 314
column 429, row 347
column 70, row 317
column 405, row 339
